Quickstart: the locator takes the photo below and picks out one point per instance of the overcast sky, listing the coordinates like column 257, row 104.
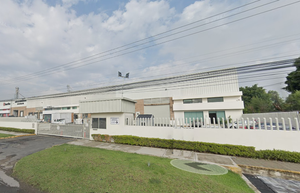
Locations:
column 44, row 44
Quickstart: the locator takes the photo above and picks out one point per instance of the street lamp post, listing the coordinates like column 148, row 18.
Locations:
column 126, row 76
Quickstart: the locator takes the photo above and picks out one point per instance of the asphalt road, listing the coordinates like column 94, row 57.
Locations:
column 12, row 150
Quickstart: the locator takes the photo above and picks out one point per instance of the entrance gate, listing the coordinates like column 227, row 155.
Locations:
column 69, row 130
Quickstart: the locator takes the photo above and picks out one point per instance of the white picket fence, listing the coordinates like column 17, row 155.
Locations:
column 192, row 123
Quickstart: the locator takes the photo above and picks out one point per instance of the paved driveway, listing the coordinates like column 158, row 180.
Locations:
column 12, row 150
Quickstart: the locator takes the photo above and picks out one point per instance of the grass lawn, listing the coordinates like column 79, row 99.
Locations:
column 70, row 168
column 5, row 135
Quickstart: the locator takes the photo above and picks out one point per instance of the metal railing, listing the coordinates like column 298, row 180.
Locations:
column 285, row 124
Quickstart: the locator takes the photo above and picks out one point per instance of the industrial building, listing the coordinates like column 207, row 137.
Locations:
column 213, row 94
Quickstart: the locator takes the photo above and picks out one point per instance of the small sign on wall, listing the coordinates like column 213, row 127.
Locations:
column 114, row 120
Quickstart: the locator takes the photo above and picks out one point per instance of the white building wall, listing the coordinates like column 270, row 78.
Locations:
column 210, row 84
column 19, row 125
column 208, row 106
column 224, row 85
column 260, row 139
column 111, row 129
column 234, row 114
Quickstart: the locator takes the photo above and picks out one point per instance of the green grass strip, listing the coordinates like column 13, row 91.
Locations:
column 78, row 169
column 31, row 131
column 5, row 135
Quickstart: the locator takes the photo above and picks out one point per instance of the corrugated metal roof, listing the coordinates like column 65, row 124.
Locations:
column 121, row 105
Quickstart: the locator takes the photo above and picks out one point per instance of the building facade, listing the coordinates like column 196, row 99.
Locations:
column 213, row 94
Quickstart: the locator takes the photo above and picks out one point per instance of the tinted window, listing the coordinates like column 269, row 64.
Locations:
column 187, row 101
column 216, row 99
column 95, row 123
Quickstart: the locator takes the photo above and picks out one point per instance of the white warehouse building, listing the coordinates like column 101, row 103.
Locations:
column 213, row 94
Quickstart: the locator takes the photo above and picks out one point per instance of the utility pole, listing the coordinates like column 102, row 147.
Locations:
column 68, row 88
column 17, row 93
column 126, row 76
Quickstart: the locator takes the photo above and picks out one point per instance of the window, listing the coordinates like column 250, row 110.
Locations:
column 215, row 99
column 193, row 116
column 74, row 107
column 99, row 123
column 187, row 101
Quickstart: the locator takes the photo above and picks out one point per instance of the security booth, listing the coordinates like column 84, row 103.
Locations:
column 107, row 115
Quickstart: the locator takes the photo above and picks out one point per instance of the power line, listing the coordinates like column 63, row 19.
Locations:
column 113, row 49
column 184, row 78
column 70, row 67
column 208, row 68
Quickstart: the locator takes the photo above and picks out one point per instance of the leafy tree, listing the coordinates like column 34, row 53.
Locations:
column 293, row 101
column 277, row 101
column 293, row 78
column 259, row 105
column 256, row 99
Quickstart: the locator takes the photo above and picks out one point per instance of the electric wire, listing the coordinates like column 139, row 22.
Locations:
column 108, row 51
column 183, row 78
column 266, row 11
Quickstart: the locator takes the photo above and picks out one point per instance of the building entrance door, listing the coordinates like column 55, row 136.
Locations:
column 213, row 116
column 15, row 112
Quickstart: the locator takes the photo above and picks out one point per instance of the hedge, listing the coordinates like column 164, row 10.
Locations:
column 223, row 149
column 32, row 131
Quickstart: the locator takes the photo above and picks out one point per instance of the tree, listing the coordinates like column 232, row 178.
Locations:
column 256, row 99
column 277, row 101
column 293, row 101
column 259, row 105
column 293, row 78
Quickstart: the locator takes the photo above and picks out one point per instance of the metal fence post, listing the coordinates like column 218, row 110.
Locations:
column 283, row 124
column 297, row 124
column 253, row 123
column 271, row 123
column 194, row 123
column 248, row 123
column 290, row 123
column 223, row 122
column 277, row 125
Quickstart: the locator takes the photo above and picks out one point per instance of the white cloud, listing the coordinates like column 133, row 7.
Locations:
column 70, row 3
column 35, row 36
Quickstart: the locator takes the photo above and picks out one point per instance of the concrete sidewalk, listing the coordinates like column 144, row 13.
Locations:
column 284, row 170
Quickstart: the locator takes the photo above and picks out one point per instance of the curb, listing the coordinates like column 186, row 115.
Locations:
column 235, row 169
column 271, row 172
column 16, row 136
column 250, row 184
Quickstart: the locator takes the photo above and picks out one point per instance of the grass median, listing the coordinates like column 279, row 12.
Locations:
column 70, row 168
column 5, row 135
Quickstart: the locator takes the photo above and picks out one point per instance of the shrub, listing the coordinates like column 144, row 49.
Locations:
column 278, row 155
column 99, row 137
column 31, row 131
column 223, row 149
